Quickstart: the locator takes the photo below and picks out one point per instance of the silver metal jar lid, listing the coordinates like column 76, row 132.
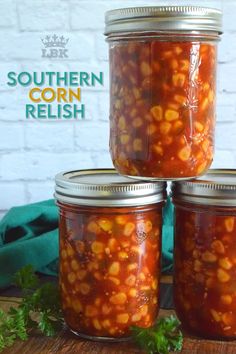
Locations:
column 163, row 18
column 105, row 187
column 217, row 187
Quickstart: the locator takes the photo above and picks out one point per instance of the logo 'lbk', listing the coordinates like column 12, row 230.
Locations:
column 55, row 47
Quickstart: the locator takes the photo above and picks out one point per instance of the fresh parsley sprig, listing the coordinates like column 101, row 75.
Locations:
column 163, row 337
column 39, row 309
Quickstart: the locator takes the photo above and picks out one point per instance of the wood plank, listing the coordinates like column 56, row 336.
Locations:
column 67, row 343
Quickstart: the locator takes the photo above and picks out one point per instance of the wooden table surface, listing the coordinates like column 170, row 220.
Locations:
column 66, row 342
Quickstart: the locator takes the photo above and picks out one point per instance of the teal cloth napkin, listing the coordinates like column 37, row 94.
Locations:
column 29, row 235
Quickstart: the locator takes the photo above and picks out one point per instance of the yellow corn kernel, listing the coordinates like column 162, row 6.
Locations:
column 228, row 318
column 158, row 150
column 210, row 283
column 81, row 274
column 114, row 268
column 157, row 113
column 112, row 244
column 218, row 247
column 118, row 104
column 124, row 139
column 96, row 324
column 132, row 292
column 215, row 315
column 144, row 310
column 84, row 288
column 136, row 317
column 136, row 249
column 165, row 127
column 199, row 126
column 148, row 226
column 142, row 276
column 209, row 257
column 63, row 254
column 92, row 265
column 122, row 123
column 180, row 99
column 114, row 280
column 98, row 275
column 174, row 106
column 167, row 54
column 74, row 265
column 151, row 129
column 229, row 224
column 106, row 309
column 197, row 266
column 122, row 318
column 130, row 281
column 71, row 277
column 121, row 220
column 118, row 299
column 184, row 153
column 93, row 227
column 154, row 284
column 97, row 247
column 178, row 50
column 125, row 244
column 201, row 168
column 91, row 311
column 171, row 115
column 211, row 96
column 105, row 224
column 98, row 301
column 137, row 122
column 132, row 266
column 206, row 87
column 184, row 65
column 225, row 263
column 70, row 251
column 136, row 93
column 178, row 80
column 145, row 68
column 174, row 64
column 222, row 275
column 204, row 104
column 129, row 229
column 77, row 306
column 137, row 145
column 177, row 125
column 226, row 299
column 106, row 323
column 123, row 255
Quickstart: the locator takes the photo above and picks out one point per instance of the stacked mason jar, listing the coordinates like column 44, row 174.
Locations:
column 162, row 119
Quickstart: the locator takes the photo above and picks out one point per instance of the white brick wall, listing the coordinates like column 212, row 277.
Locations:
column 32, row 152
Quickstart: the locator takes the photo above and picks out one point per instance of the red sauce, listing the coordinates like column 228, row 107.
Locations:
column 109, row 268
column 205, row 270
column 162, row 107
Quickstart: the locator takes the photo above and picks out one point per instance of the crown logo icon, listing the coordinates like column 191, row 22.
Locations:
column 55, row 41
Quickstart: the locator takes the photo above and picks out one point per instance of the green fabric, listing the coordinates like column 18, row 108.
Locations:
column 29, row 235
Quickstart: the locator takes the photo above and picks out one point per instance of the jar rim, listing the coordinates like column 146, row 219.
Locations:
column 163, row 18
column 106, row 188
column 216, row 188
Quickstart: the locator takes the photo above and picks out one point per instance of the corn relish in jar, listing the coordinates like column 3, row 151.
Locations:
column 205, row 254
column 110, row 244
column 163, row 90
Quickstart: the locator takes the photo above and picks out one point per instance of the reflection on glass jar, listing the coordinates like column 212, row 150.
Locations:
column 109, row 255
column 163, row 93
column 205, row 254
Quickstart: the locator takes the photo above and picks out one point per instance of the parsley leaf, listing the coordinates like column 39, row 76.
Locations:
column 41, row 302
column 163, row 337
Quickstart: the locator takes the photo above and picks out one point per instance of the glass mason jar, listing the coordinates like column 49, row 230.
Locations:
column 205, row 254
column 110, row 249
column 162, row 90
